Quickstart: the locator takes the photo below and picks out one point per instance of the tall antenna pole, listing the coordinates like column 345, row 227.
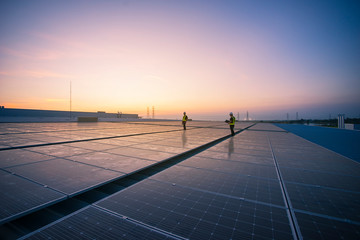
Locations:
column 70, row 100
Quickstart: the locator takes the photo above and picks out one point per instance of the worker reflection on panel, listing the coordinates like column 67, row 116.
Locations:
column 231, row 123
column 184, row 139
column 184, row 120
column 231, row 147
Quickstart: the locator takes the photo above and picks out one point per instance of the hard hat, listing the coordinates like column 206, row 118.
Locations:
column 231, row 113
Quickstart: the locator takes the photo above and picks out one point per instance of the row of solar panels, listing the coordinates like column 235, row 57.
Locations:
column 230, row 191
column 207, row 197
column 34, row 177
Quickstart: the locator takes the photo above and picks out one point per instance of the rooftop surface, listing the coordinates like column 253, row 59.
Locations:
column 155, row 181
column 343, row 141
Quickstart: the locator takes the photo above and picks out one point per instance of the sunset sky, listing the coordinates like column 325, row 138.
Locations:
column 205, row 57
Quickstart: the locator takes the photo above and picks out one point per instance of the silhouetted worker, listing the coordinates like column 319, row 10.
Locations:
column 184, row 120
column 231, row 122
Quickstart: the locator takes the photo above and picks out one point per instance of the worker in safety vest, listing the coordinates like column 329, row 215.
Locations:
column 231, row 122
column 184, row 120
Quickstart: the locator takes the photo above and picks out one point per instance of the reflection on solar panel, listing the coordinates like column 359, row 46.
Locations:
column 152, row 180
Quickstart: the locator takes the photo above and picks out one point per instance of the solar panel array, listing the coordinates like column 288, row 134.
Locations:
column 264, row 183
column 60, row 160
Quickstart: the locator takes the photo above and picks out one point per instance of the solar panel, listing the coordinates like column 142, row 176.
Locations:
column 238, row 157
column 19, row 196
column 43, row 137
column 315, row 227
column 242, row 142
column 161, row 148
column 181, row 143
column 331, row 202
column 59, row 150
column 228, row 191
column 15, row 141
column 327, row 179
column 345, row 166
column 93, row 223
column 258, row 189
column 114, row 162
column 90, row 145
column 250, row 152
column 119, row 142
column 197, row 214
column 66, row 176
column 230, row 166
column 141, row 153
column 15, row 157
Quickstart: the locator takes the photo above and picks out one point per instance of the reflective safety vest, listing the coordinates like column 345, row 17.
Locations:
column 185, row 118
column 233, row 121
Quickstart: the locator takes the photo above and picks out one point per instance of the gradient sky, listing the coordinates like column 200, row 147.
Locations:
column 204, row 57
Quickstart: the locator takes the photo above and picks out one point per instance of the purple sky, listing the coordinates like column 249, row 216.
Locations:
column 204, row 57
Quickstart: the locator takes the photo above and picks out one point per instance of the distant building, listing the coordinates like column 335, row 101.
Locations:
column 352, row 126
column 14, row 114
